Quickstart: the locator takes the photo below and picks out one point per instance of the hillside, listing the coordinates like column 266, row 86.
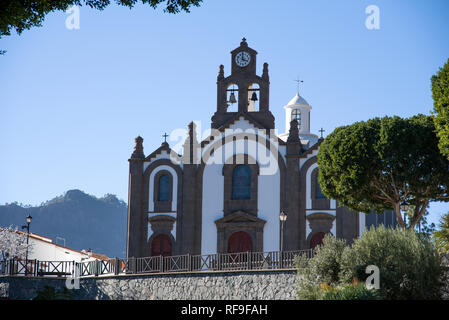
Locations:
column 84, row 221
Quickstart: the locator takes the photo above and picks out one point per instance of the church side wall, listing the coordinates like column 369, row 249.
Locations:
column 269, row 207
column 212, row 206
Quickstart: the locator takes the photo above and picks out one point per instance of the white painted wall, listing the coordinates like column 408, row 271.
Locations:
column 48, row 251
column 269, row 206
column 268, row 188
column 212, row 206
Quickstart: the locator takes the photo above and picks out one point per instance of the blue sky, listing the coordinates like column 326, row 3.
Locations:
column 72, row 101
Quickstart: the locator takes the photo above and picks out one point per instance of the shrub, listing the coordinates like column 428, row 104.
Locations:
column 323, row 268
column 410, row 266
column 350, row 292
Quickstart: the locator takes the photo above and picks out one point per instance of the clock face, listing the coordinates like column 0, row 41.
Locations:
column 242, row 59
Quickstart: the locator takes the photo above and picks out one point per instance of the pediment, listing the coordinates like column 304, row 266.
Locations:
column 239, row 217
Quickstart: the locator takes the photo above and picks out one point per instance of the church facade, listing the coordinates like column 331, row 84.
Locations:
column 225, row 194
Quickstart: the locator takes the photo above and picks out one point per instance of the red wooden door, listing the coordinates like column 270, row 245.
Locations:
column 240, row 241
column 161, row 245
column 316, row 239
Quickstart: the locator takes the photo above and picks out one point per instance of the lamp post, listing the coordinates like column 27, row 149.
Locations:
column 282, row 217
column 28, row 236
column 404, row 207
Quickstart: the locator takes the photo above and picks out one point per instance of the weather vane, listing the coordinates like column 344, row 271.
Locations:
column 298, row 81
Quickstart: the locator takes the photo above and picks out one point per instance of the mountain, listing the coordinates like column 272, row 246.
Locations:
column 84, row 221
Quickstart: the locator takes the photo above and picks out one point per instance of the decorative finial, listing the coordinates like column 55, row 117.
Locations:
column 293, row 134
column 265, row 71
column 243, row 43
column 220, row 72
column 138, row 149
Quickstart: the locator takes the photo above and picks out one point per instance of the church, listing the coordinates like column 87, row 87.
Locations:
column 227, row 193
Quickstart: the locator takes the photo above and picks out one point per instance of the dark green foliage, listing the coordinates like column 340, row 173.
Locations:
column 377, row 164
column 22, row 15
column 440, row 95
column 441, row 236
column 410, row 266
column 50, row 293
column 351, row 292
column 322, row 269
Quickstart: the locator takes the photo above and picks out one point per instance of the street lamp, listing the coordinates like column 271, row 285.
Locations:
column 28, row 236
column 283, row 218
column 404, row 207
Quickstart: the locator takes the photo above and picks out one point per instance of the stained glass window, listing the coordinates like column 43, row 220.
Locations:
column 318, row 193
column 241, row 183
column 164, row 188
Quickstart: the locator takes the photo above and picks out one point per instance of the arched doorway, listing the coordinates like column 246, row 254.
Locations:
column 316, row 239
column 161, row 246
column 240, row 241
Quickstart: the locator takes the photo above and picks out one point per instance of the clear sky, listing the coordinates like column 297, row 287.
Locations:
column 72, row 101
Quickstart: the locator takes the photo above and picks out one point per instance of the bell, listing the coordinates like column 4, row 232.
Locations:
column 232, row 98
column 254, row 97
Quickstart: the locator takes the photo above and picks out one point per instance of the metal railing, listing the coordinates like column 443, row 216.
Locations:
column 157, row 264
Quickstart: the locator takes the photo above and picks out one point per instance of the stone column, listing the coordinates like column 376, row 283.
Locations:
column 137, row 221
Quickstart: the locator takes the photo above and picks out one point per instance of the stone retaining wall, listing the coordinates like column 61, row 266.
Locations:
column 248, row 285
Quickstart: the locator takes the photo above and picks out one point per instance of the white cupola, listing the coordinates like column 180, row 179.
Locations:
column 299, row 108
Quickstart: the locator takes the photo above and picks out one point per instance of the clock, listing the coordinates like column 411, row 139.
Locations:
column 242, row 59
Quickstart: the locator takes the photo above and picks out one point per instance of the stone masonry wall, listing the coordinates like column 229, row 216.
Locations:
column 261, row 285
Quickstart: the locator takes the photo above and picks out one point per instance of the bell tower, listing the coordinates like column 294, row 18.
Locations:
column 245, row 88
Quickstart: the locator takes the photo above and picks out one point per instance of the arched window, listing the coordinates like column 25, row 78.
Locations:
column 164, row 188
column 241, row 183
column 296, row 114
column 318, row 193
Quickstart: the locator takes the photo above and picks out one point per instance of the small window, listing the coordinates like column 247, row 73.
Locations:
column 296, row 114
column 241, row 183
column 318, row 193
column 164, row 188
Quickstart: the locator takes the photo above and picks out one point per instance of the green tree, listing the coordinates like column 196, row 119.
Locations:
column 440, row 95
column 441, row 236
column 379, row 163
column 21, row 15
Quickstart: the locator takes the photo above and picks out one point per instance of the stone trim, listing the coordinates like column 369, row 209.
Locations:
column 161, row 224
column 239, row 221
column 317, row 203
column 164, row 147
column 319, row 222
column 162, row 206
column 248, row 205
column 146, row 191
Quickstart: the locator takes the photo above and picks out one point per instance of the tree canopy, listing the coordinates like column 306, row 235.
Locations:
column 377, row 164
column 21, row 15
column 440, row 95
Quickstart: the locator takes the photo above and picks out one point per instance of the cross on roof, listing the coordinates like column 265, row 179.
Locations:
column 165, row 135
column 298, row 81
column 321, row 130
